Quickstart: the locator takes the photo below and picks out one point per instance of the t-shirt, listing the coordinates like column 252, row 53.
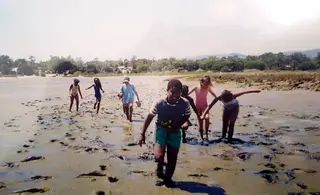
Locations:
column 127, row 91
column 169, row 114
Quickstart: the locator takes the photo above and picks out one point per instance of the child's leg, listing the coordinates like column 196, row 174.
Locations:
column 172, row 156
column 225, row 123
column 159, row 151
column 233, row 117
column 71, row 102
column 207, row 123
column 200, row 122
column 98, row 105
column 130, row 111
column 77, row 102
column 126, row 110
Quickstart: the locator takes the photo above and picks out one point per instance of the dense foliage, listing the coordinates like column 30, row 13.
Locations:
column 66, row 65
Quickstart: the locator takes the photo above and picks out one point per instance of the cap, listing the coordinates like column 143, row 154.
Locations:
column 126, row 79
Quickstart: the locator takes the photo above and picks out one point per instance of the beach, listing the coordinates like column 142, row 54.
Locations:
column 45, row 149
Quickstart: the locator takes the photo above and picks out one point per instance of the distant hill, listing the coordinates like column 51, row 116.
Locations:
column 310, row 53
column 218, row 56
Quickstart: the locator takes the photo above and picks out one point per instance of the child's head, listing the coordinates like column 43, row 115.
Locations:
column 97, row 82
column 126, row 80
column 76, row 81
column 185, row 91
column 205, row 81
column 226, row 96
column 174, row 90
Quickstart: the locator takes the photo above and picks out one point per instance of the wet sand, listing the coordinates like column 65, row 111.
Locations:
column 47, row 150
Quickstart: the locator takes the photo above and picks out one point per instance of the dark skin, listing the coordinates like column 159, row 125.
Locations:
column 72, row 98
column 173, row 95
column 97, row 103
column 185, row 126
column 229, row 117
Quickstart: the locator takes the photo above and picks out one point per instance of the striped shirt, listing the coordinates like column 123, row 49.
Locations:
column 169, row 114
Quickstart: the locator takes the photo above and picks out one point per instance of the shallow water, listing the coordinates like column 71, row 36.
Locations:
column 281, row 125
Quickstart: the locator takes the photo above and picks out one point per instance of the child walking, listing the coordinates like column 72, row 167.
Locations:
column 173, row 111
column 97, row 94
column 202, row 103
column 74, row 89
column 186, row 125
column 127, row 93
column 230, row 110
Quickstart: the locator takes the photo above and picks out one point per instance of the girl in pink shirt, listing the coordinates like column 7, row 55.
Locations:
column 202, row 103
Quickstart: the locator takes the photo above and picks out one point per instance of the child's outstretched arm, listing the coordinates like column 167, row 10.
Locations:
column 101, row 89
column 210, row 106
column 89, row 87
column 212, row 93
column 153, row 112
column 135, row 91
column 192, row 90
column 193, row 106
column 80, row 91
column 245, row 92
column 70, row 88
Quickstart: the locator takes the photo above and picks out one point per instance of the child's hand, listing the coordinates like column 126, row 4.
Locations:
column 202, row 117
column 142, row 140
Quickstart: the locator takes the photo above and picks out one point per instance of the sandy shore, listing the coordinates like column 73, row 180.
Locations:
column 276, row 150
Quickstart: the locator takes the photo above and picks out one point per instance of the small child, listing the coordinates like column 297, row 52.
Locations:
column 185, row 126
column 173, row 111
column 97, row 87
column 230, row 110
column 73, row 91
column 127, row 93
column 202, row 102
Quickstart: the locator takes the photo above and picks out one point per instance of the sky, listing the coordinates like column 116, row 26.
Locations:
column 115, row 29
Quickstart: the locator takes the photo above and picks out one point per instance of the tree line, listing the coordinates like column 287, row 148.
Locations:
column 69, row 65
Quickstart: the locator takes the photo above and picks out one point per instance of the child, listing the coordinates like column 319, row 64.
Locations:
column 97, row 87
column 73, row 90
column 127, row 93
column 185, row 126
column 202, row 103
column 173, row 111
column 230, row 110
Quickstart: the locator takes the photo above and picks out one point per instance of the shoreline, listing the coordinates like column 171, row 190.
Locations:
column 264, row 80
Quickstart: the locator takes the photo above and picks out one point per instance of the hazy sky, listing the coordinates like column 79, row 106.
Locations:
column 113, row 29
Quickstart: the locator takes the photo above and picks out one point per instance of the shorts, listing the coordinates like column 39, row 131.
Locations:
column 128, row 104
column 163, row 138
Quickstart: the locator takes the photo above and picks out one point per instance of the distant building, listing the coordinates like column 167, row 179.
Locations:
column 125, row 70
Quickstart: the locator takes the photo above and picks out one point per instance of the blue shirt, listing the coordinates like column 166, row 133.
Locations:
column 128, row 93
column 170, row 113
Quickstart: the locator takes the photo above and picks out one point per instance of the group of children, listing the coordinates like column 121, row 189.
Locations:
column 126, row 94
column 173, row 113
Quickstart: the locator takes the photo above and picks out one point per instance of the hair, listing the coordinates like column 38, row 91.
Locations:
column 76, row 81
column 226, row 96
column 185, row 90
column 206, row 79
column 174, row 83
column 97, row 82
